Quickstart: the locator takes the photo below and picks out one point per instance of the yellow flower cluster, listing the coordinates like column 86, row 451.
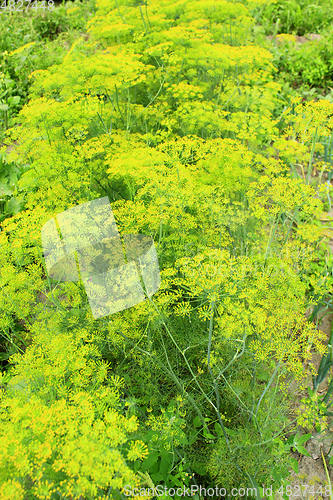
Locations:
column 60, row 427
column 166, row 112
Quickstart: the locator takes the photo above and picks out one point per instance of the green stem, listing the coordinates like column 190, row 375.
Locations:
column 121, row 17
column 117, row 102
column 268, row 386
column 147, row 14
column 311, row 157
column 143, row 19
column 210, row 336
column 153, row 99
column 289, row 228
column 236, row 356
column 47, row 131
column 327, row 475
column 173, row 377
column 271, row 236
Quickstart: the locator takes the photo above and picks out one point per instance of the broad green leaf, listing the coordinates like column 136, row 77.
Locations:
column 150, row 461
column 311, row 393
column 294, row 465
column 302, row 450
column 14, row 100
column 14, row 206
column 167, row 456
column 5, row 190
column 197, row 421
column 303, row 439
column 218, row 429
column 164, row 467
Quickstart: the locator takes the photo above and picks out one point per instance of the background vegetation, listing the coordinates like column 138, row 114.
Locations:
column 209, row 128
